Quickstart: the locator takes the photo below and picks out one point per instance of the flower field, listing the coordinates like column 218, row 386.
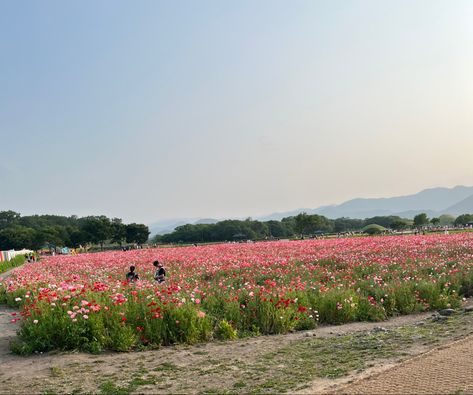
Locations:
column 228, row 291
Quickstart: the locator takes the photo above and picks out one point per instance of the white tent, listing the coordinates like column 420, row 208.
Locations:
column 9, row 255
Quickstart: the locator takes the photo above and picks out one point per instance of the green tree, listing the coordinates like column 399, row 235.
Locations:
column 8, row 218
column 276, row 229
column 302, row 223
column 137, row 233
column 435, row 221
column 118, row 231
column 347, row 224
column 98, row 229
column 421, row 219
column 400, row 224
column 374, row 229
column 385, row 221
column 446, row 219
column 78, row 238
column 260, row 228
column 463, row 219
column 319, row 223
column 16, row 237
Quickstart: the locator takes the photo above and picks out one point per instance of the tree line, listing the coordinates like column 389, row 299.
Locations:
column 38, row 231
column 300, row 225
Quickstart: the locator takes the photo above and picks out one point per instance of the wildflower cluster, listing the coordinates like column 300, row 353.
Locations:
column 233, row 290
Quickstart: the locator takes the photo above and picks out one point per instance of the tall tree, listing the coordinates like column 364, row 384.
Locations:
column 421, row 219
column 8, row 218
column 118, row 231
column 302, row 223
column 98, row 229
column 17, row 237
column 464, row 219
column 137, row 233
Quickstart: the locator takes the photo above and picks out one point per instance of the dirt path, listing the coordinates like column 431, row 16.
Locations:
column 7, row 328
column 444, row 370
column 227, row 366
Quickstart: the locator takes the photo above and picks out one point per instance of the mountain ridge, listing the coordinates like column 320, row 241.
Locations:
column 432, row 201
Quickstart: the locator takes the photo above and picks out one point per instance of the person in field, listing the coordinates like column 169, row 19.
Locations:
column 160, row 274
column 131, row 276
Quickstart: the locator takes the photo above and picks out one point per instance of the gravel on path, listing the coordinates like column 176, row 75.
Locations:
column 447, row 369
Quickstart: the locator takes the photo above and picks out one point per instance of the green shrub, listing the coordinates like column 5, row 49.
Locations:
column 225, row 331
column 373, row 229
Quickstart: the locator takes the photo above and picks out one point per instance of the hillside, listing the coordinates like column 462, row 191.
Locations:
column 433, row 202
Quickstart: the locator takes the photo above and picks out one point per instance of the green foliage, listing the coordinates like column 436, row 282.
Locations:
column 17, row 261
column 463, row 219
column 374, row 229
column 38, row 231
column 446, row 219
column 133, row 325
column 236, row 230
column 136, row 233
column 297, row 226
column 421, row 219
column 302, row 223
column 347, row 224
column 390, row 221
column 98, row 229
column 225, row 331
column 308, row 224
column 337, row 306
column 16, row 237
column 118, row 231
column 8, row 219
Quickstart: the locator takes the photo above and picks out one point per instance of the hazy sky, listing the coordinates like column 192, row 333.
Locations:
column 147, row 110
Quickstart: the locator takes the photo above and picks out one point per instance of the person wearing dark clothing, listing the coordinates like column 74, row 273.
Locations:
column 131, row 276
column 160, row 274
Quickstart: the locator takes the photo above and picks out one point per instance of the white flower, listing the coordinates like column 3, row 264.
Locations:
column 35, row 321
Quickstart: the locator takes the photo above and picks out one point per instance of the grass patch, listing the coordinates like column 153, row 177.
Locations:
column 291, row 367
column 15, row 262
column 56, row 371
column 166, row 366
column 109, row 388
column 239, row 384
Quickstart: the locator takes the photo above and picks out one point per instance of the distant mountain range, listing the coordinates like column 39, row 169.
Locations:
column 433, row 202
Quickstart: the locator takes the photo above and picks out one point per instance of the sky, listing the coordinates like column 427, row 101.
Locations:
column 149, row 110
